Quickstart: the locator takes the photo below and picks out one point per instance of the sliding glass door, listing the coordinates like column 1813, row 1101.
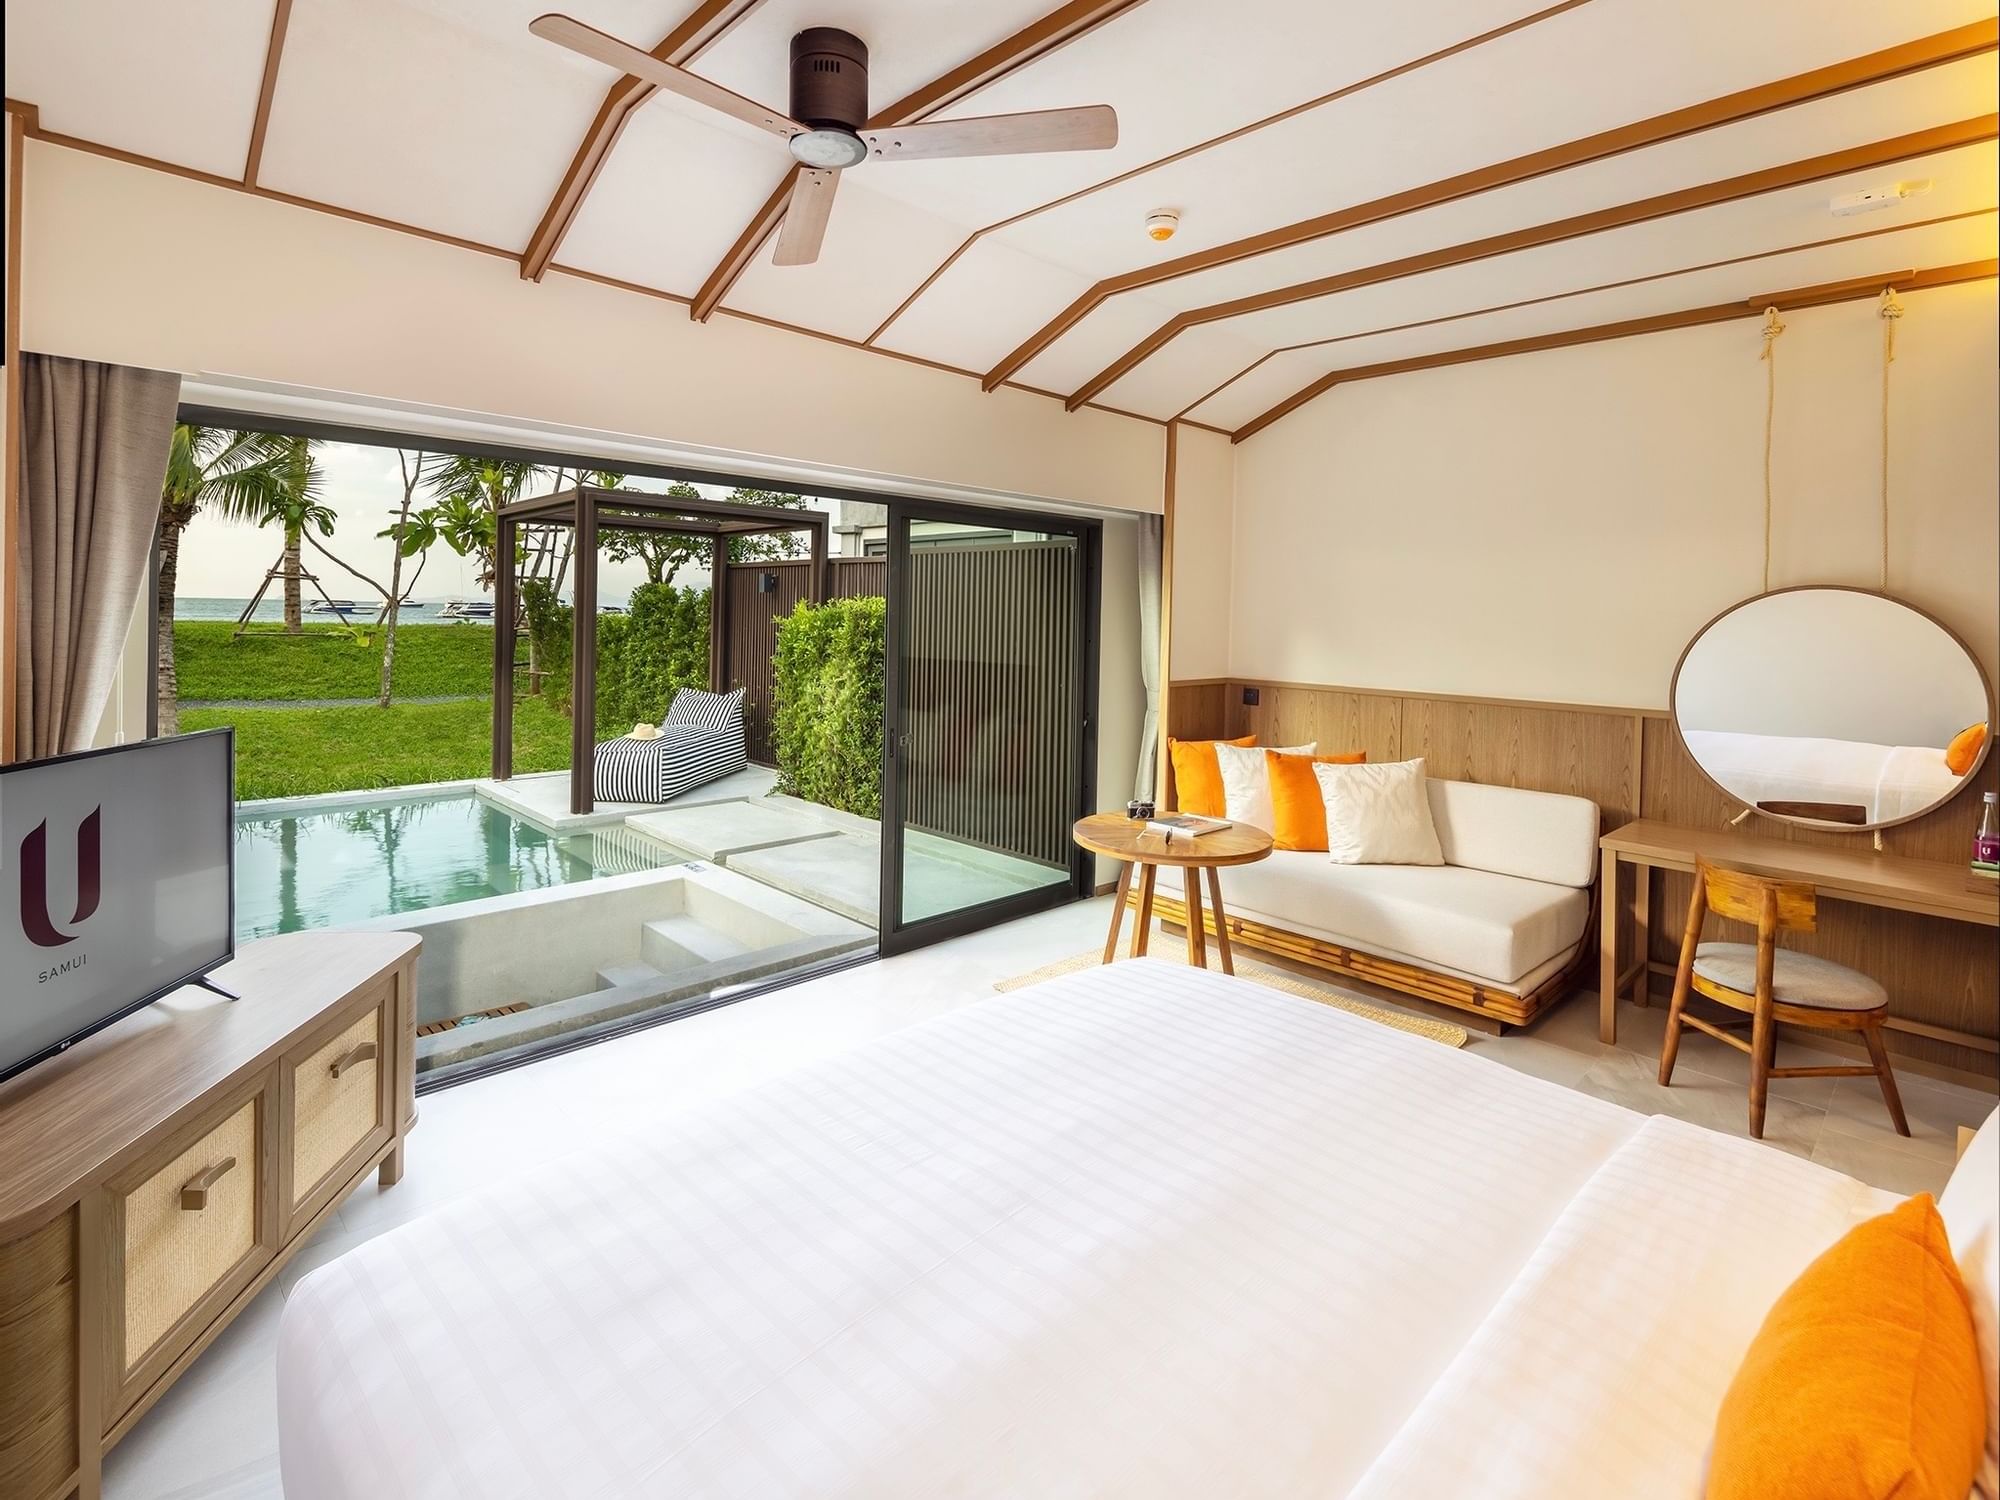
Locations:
column 989, row 734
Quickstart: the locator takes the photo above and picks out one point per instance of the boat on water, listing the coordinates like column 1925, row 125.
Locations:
column 466, row 609
column 332, row 607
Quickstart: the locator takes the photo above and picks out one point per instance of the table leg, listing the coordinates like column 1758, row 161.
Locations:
column 1642, row 926
column 1197, row 933
column 1143, row 930
column 1118, row 911
column 1607, row 948
column 1221, row 922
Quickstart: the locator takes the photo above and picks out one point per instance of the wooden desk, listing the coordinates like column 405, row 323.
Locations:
column 1125, row 839
column 1928, row 887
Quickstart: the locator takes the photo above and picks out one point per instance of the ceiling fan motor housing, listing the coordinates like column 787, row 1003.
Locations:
column 829, row 79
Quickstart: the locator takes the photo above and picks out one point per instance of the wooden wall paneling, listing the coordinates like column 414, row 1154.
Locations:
column 1336, row 721
column 1583, row 752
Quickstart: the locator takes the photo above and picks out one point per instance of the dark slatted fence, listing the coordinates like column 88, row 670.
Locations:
column 992, row 713
column 752, row 628
column 994, row 716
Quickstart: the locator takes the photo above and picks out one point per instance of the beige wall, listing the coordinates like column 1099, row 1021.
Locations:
column 1204, row 486
column 1556, row 526
column 144, row 267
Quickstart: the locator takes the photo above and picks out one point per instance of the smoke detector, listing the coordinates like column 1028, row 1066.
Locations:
column 1162, row 222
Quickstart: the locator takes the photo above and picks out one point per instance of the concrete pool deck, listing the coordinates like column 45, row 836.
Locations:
column 818, row 854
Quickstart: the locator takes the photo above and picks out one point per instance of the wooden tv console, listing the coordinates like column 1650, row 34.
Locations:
column 156, row 1176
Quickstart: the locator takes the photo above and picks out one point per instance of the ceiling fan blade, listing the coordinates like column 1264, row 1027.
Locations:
column 565, row 31
column 805, row 218
column 1093, row 127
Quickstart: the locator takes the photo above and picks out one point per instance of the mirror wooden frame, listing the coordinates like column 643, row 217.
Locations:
column 1970, row 777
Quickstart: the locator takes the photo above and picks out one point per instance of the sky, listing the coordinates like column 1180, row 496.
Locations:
column 363, row 486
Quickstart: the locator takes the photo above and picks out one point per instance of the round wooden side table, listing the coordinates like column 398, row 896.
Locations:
column 1126, row 840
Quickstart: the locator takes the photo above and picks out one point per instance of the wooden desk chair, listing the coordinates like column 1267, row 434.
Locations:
column 1772, row 984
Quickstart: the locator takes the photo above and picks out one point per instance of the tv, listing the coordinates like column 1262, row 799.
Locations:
column 117, row 884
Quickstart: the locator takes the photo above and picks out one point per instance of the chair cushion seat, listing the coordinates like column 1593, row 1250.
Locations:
column 1796, row 978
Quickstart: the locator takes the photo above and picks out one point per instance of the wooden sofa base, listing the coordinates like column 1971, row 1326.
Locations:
column 1501, row 1006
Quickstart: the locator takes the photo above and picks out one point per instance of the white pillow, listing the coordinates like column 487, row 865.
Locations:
column 1246, row 782
column 1378, row 814
column 1970, row 1208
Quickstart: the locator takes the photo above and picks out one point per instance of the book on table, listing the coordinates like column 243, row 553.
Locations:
column 1184, row 825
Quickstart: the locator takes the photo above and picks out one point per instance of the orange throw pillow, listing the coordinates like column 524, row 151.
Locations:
column 1197, row 777
column 1964, row 749
column 1298, row 806
column 1864, row 1381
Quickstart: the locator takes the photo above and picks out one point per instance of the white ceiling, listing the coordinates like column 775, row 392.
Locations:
column 449, row 117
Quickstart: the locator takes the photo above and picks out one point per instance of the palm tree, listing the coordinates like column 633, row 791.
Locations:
column 228, row 472
column 294, row 507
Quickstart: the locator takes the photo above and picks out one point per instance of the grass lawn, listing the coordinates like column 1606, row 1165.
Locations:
column 431, row 661
column 294, row 752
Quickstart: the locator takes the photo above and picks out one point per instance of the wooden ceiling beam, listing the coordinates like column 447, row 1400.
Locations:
column 1582, row 291
column 1821, row 83
column 274, row 52
column 1360, row 85
column 1662, row 205
column 1036, row 40
column 704, row 26
column 1852, row 290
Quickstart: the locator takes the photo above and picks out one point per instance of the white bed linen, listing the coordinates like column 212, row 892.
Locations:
column 1601, row 1370
column 1889, row 781
column 1142, row 1232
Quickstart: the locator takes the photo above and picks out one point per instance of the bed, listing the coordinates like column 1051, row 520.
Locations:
column 1145, row 1231
column 1885, row 782
column 700, row 741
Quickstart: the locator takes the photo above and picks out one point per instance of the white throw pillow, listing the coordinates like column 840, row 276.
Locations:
column 1246, row 782
column 1970, row 1208
column 1378, row 814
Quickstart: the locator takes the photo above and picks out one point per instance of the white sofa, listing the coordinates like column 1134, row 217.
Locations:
column 1498, row 929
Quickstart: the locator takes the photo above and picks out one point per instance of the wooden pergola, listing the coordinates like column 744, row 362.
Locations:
column 587, row 510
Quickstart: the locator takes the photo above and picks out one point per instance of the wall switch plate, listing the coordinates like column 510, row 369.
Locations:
column 1250, row 696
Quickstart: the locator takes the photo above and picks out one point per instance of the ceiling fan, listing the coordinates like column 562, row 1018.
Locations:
column 826, row 129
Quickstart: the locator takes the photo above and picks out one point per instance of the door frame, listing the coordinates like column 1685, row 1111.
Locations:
column 893, row 934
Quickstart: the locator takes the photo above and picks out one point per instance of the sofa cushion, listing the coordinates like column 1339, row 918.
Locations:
column 1535, row 835
column 1496, row 927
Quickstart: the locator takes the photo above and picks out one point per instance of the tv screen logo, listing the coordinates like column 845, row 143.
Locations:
column 36, row 920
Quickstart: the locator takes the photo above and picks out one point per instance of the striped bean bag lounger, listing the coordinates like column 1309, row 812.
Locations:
column 702, row 739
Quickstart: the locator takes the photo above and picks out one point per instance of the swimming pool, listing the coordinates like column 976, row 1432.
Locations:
column 339, row 861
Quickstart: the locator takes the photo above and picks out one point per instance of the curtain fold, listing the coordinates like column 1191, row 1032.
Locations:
column 94, row 443
column 1152, row 532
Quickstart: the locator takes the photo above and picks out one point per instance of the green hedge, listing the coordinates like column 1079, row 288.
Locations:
column 643, row 657
column 827, row 718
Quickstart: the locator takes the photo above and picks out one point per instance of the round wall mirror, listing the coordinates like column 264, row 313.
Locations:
column 1835, row 707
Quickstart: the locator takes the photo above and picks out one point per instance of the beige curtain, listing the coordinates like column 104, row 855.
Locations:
column 1152, row 531
column 94, row 443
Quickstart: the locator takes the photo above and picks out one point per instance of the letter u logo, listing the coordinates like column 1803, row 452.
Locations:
column 35, row 920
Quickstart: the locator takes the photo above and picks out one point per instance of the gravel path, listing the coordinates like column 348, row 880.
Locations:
column 319, row 702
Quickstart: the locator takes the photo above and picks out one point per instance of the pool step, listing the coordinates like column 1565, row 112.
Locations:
column 611, row 976
column 681, row 942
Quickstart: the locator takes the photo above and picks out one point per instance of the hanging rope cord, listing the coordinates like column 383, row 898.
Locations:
column 1773, row 327
column 1890, row 311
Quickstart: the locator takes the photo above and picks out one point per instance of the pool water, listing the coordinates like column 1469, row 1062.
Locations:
column 335, row 865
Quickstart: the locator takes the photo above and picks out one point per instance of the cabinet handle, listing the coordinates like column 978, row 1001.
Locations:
column 194, row 1192
column 361, row 1052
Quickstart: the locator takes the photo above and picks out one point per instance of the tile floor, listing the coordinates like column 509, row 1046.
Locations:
column 214, row 1435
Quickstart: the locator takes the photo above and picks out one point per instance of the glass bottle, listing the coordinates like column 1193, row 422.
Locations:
column 1986, row 845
